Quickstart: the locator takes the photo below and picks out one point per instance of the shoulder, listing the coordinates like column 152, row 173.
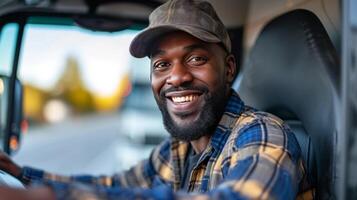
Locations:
column 257, row 130
column 250, row 117
column 162, row 151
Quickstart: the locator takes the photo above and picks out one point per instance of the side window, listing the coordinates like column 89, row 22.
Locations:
column 8, row 38
column 77, row 84
column 7, row 47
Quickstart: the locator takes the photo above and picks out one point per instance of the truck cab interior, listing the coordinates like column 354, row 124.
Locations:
column 296, row 60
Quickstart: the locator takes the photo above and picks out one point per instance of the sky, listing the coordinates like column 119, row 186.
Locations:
column 103, row 57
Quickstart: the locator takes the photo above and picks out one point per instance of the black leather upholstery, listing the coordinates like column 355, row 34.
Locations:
column 293, row 72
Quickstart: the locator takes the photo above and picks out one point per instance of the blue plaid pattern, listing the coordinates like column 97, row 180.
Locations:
column 251, row 155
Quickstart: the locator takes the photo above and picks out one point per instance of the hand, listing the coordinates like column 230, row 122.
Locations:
column 7, row 165
column 41, row 193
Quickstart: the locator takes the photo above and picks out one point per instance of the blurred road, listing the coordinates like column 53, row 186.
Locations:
column 90, row 144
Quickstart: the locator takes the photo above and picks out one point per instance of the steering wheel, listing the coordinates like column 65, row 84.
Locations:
column 10, row 181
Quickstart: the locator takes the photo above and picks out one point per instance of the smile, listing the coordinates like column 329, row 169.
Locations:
column 184, row 102
column 184, row 99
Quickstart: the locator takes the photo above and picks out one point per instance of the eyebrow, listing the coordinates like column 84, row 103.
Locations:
column 189, row 48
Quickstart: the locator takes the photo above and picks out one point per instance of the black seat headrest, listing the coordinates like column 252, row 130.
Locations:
column 293, row 72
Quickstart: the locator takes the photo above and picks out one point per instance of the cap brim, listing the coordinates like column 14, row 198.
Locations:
column 139, row 47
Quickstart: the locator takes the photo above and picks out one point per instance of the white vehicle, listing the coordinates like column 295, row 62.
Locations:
column 140, row 114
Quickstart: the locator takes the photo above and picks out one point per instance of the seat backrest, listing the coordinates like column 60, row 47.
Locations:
column 293, row 72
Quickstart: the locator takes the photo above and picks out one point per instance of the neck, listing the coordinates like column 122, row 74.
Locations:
column 200, row 144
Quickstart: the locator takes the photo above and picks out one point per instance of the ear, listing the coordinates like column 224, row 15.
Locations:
column 231, row 68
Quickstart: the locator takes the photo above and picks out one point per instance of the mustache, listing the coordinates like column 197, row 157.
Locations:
column 202, row 89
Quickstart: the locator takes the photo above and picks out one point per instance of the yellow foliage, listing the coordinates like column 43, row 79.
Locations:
column 112, row 102
column 33, row 102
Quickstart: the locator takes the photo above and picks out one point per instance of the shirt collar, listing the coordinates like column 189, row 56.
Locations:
column 233, row 109
column 235, row 105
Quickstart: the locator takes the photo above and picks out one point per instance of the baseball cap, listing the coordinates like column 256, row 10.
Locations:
column 197, row 18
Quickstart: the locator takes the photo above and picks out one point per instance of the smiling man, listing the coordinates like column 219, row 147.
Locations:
column 219, row 148
column 191, row 83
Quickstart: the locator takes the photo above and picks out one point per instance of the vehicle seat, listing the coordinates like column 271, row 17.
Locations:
column 293, row 72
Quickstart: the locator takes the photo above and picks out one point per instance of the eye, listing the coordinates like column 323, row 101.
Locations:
column 197, row 60
column 161, row 65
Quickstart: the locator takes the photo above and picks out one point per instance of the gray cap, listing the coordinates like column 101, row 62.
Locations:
column 197, row 18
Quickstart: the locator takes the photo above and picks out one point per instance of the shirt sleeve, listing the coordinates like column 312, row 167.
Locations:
column 141, row 175
column 129, row 178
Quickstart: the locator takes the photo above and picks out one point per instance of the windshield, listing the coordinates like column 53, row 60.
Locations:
column 76, row 85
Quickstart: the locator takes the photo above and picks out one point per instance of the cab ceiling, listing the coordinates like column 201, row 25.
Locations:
column 232, row 12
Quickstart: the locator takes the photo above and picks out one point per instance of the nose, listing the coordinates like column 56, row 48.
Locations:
column 179, row 75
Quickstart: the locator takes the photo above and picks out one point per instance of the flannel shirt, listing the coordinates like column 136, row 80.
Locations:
column 251, row 155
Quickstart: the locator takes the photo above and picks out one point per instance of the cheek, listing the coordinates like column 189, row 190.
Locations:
column 212, row 77
column 157, row 83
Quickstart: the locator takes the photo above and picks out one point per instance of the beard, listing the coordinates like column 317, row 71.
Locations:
column 209, row 116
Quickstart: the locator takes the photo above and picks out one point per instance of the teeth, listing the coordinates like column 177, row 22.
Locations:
column 188, row 98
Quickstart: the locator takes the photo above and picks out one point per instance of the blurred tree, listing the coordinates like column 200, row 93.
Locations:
column 71, row 88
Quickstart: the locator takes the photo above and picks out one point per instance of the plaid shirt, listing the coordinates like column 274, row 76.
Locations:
column 251, row 155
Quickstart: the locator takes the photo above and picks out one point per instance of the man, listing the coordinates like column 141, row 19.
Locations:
column 219, row 148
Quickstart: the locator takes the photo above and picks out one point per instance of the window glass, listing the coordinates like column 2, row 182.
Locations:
column 7, row 49
column 77, row 86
